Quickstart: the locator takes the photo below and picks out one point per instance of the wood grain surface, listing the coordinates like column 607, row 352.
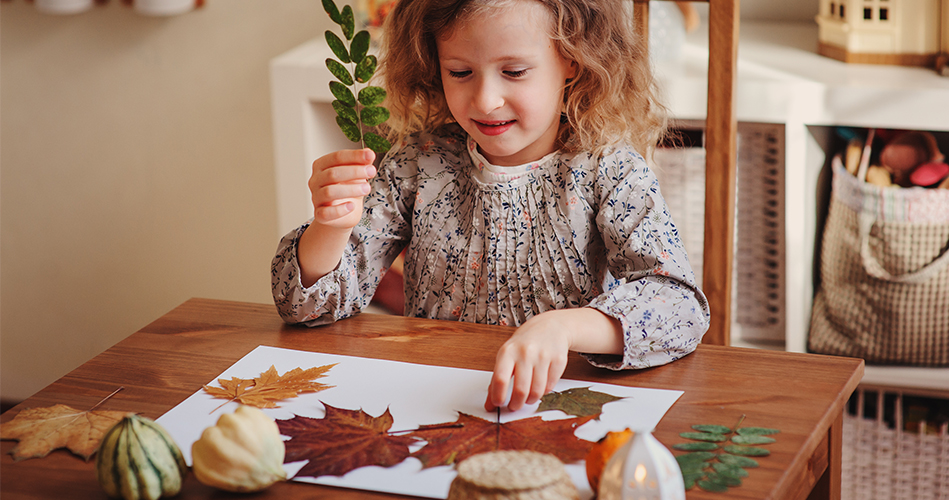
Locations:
column 165, row 362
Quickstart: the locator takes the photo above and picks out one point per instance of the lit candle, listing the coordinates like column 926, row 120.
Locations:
column 642, row 469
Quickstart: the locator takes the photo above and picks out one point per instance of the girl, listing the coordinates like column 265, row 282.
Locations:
column 517, row 189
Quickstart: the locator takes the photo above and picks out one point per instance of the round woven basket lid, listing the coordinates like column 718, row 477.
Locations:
column 512, row 470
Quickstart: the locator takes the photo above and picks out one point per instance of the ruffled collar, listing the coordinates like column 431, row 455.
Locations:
column 489, row 173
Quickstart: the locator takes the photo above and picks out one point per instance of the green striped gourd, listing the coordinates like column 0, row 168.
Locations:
column 138, row 460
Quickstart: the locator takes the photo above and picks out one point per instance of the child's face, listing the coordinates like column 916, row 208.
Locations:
column 504, row 80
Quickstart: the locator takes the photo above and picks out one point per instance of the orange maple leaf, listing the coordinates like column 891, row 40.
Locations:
column 451, row 444
column 269, row 387
column 341, row 441
column 42, row 430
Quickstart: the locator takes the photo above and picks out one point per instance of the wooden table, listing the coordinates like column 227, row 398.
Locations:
column 803, row 395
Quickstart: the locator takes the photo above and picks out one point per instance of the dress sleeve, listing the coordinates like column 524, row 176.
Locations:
column 374, row 244
column 654, row 295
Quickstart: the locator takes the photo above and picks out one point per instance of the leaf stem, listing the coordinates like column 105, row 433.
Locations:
column 738, row 424
column 453, row 425
column 103, row 400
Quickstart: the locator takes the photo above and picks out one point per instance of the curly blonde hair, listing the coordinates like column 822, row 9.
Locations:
column 612, row 100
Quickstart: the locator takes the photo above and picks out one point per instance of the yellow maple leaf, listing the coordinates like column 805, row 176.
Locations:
column 42, row 430
column 269, row 387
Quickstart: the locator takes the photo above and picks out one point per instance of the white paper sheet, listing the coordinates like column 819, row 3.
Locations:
column 415, row 395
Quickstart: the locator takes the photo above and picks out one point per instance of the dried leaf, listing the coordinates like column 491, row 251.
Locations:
column 359, row 46
column 330, row 7
column 729, row 470
column 339, row 71
column 737, row 461
column 337, row 46
column 366, row 68
column 580, row 402
column 714, row 429
column 712, row 486
column 350, row 129
column 347, row 21
column 448, row 445
column 704, row 436
column 269, row 387
column 374, row 115
column 343, row 94
column 371, row 96
column 345, row 111
column 727, row 480
column 376, row 143
column 759, row 431
column 749, row 451
column 341, row 441
column 690, row 478
column 42, row 430
column 700, row 446
column 752, row 439
column 696, row 456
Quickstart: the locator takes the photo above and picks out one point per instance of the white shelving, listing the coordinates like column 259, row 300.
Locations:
column 781, row 80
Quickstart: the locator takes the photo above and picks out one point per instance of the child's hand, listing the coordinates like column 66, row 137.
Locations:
column 532, row 361
column 338, row 184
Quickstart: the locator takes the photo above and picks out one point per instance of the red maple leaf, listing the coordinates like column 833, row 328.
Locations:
column 341, row 441
column 452, row 444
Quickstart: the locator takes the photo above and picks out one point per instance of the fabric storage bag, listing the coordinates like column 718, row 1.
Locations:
column 884, row 292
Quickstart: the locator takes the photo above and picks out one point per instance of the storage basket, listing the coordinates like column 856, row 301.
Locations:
column 759, row 261
column 884, row 463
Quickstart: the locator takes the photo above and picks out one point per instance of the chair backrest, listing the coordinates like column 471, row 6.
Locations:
column 721, row 130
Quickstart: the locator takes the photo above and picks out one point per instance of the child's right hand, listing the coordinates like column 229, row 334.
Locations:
column 338, row 184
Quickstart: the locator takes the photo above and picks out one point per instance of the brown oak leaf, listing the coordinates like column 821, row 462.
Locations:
column 447, row 445
column 341, row 441
column 269, row 387
column 579, row 401
column 42, row 430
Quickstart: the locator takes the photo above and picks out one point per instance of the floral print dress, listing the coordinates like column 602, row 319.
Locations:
column 499, row 245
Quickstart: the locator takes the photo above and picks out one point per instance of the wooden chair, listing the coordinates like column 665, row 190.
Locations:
column 721, row 130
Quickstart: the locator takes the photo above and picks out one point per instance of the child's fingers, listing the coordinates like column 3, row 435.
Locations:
column 329, row 194
column 345, row 157
column 329, row 213
column 521, row 387
column 497, row 391
column 557, row 367
column 346, row 173
column 538, row 385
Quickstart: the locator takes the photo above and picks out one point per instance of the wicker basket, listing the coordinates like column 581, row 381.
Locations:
column 883, row 463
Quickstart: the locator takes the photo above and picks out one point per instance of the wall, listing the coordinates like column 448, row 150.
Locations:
column 137, row 168
column 137, row 171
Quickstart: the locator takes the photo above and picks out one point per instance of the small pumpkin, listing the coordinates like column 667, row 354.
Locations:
column 243, row 452
column 600, row 454
column 138, row 460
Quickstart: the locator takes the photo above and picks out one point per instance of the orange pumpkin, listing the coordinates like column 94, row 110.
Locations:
column 600, row 454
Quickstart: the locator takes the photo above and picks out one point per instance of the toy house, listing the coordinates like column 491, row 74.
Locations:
column 902, row 32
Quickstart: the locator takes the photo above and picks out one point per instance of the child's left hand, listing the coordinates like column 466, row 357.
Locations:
column 532, row 361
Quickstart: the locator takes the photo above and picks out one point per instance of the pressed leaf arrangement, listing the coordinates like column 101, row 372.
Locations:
column 270, row 387
column 715, row 465
column 344, row 440
column 579, row 402
column 354, row 110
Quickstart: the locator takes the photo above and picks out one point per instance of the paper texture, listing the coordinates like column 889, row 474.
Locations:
column 414, row 394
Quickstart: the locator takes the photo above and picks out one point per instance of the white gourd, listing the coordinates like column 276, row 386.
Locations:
column 243, row 452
